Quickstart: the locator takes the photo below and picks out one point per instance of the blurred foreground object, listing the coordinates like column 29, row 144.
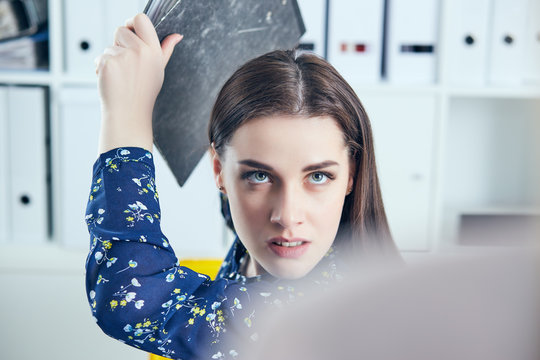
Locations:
column 473, row 308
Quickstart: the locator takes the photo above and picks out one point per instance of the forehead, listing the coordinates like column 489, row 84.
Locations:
column 298, row 138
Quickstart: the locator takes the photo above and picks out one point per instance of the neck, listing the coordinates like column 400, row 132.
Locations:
column 252, row 268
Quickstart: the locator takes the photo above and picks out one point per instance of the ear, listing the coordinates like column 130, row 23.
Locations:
column 217, row 169
column 352, row 173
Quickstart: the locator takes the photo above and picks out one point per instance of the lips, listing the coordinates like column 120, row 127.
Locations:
column 288, row 248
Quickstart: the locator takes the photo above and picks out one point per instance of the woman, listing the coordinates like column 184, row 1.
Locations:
column 292, row 152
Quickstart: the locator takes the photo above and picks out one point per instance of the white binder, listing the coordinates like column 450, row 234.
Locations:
column 508, row 42
column 405, row 152
column 90, row 27
column 532, row 44
column 28, row 204
column 4, row 172
column 468, row 39
column 412, row 47
column 78, row 149
column 355, row 39
column 314, row 16
column 84, row 35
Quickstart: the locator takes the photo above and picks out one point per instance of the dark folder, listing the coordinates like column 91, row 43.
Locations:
column 219, row 36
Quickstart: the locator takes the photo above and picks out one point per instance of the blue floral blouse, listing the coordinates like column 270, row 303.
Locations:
column 138, row 292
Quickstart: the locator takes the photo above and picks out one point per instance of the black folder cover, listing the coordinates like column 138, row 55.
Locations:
column 219, row 36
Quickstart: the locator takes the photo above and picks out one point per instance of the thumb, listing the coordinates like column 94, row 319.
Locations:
column 168, row 44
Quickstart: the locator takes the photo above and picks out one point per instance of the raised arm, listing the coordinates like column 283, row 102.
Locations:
column 137, row 291
column 130, row 76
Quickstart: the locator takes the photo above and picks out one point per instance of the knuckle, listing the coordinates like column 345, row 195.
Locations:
column 117, row 31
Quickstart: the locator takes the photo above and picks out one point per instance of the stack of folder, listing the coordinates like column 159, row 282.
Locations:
column 24, row 40
column 494, row 42
column 24, row 154
column 486, row 42
column 381, row 40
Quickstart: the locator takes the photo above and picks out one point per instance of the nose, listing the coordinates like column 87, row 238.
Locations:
column 287, row 210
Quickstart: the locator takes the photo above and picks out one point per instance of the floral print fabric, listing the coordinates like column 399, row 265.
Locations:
column 138, row 292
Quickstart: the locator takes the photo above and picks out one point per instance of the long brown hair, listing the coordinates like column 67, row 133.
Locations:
column 293, row 83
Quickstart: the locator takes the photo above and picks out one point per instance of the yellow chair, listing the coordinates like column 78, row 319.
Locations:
column 208, row 267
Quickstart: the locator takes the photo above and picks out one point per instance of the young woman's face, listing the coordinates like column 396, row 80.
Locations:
column 286, row 179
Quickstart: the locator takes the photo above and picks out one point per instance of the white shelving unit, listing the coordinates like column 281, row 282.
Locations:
column 439, row 145
column 443, row 150
column 74, row 113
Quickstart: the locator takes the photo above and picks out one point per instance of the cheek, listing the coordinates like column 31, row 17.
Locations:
column 328, row 211
column 325, row 210
column 249, row 211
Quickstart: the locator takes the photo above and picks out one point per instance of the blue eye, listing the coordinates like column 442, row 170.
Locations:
column 318, row 178
column 257, row 177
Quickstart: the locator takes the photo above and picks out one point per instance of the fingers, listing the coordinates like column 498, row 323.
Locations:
column 100, row 62
column 138, row 32
column 168, row 44
column 125, row 37
column 113, row 50
column 143, row 27
column 108, row 53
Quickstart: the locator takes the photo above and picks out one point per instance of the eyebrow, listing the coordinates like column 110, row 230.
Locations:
column 312, row 167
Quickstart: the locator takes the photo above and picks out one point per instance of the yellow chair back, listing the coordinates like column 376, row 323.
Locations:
column 208, row 267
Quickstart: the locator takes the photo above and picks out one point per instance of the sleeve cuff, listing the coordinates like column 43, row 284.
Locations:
column 112, row 158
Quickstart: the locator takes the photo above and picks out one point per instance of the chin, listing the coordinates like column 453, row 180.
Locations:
column 289, row 272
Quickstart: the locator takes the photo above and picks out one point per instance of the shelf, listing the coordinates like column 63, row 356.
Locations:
column 44, row 258
column 389, row 89
column 512, row 92
column 480, row 137
column 499, row 210
column 44, row 77
column 33, row 77
column 521, row 92
column 70, row 80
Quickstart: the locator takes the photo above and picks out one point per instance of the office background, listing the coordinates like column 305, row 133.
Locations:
column 452, row 88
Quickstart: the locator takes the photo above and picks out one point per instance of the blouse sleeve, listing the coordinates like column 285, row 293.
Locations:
column 137, row 291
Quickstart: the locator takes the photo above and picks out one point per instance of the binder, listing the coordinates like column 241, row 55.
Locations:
column 22, row 18
column 508, row 42
column 314, row 16
column 532, row 45
column 90, row 27
column 79, row 124
column 28, row 198
column 233, row 30
column 355, row 39
column 84, row 35
column 25, row 53
column 406, row 185
column 412, row 41
column 468, row 40
column 4, row 174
